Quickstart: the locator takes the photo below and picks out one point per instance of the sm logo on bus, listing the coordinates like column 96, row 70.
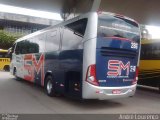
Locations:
column 116, row 68
column 33, row 65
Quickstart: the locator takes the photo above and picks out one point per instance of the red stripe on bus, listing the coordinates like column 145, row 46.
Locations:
column 118, row 38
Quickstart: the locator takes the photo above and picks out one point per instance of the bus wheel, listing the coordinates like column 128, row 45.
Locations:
column 159, row 88
column 15, row 74
column 6, row 68
column 49, row 86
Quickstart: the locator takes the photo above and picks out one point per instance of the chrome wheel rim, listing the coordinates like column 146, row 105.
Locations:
column 49, row 86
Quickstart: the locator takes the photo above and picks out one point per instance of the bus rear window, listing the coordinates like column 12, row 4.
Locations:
column 111, row 26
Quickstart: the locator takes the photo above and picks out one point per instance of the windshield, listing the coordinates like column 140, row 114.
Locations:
column 4, row 55
column 111, row 26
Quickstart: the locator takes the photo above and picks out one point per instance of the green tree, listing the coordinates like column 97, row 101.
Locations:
column 7, row 39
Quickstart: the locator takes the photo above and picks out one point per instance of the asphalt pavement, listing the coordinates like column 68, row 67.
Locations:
column 24, row 97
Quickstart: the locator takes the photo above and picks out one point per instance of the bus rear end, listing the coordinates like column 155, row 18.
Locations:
column 4, row 60
column 115, row 71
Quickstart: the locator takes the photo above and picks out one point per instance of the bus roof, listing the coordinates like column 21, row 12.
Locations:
column 118, row 15
column 67, row 22
column 2, row 50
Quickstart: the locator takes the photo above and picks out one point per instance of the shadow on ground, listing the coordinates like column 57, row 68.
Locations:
column 84, row 104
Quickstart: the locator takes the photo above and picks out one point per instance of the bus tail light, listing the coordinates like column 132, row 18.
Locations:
column 119, row 15
column 136, row 77
column 99, row 12
column 91, row 75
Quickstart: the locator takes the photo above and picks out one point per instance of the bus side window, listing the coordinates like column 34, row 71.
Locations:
column 21, row 47
column 1, row 55
column 41, row 42
column 34, row 47
column 24, row 47
column 73, row 35
column 52, row 40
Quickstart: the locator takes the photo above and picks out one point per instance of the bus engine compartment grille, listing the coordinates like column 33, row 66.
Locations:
column 115, row 52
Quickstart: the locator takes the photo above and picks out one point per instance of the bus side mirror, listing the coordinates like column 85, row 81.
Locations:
column 10, row 51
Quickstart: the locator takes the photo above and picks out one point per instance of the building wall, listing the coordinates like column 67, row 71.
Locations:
column 21, row 24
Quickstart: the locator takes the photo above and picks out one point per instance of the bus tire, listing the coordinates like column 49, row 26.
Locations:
column 6, row 68
column 15, row 74
column 49, row 86
column 159, row 88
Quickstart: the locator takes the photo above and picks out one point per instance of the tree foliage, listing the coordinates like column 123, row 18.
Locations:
column 7, row 39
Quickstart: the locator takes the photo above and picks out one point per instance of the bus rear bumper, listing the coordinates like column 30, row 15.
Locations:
column 104, row 93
